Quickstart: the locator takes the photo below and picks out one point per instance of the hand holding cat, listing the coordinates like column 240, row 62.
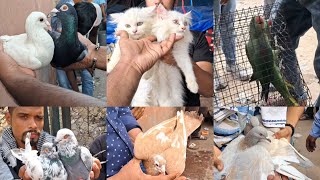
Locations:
column 143, row 54
column 169, row 59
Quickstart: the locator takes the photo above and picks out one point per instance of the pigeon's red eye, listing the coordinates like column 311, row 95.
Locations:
column 65, row 136
column 64, row 8
column 41, row 19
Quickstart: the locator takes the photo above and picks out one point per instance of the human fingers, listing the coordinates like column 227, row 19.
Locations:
column 123, row 34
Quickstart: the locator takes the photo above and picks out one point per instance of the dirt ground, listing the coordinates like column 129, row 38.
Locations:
column 303, row 129
column 199, row 162
column 305, row 52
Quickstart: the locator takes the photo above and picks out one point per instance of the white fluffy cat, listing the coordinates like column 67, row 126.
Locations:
column 137, row 22
column 162, row 85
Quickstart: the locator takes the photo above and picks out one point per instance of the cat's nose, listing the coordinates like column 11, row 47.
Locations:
column 134, row 31
column 183, row 28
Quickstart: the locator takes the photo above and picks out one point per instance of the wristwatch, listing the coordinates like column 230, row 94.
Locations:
column 292, row 128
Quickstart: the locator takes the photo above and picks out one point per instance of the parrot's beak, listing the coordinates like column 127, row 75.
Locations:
column 53, row 13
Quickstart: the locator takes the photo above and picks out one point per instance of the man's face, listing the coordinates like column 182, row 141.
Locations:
column 24, row 120
column 168, row 4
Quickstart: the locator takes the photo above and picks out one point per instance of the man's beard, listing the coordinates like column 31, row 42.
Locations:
column 33, row 141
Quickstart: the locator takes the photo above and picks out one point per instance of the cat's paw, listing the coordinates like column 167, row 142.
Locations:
column 193, row 86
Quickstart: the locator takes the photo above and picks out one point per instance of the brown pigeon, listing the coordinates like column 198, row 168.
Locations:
column 163, row 147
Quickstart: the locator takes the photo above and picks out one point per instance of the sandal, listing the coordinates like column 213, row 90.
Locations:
column 193, row 146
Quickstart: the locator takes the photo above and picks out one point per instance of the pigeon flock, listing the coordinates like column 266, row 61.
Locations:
column 41, row 45
column 257, row 155
column 62, row 160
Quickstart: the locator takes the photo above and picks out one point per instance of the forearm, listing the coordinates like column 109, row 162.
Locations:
column 315, row 131
column 294, row 114
column 204, row 80
column 122, row 84
column 133, row 133
column 27, row 90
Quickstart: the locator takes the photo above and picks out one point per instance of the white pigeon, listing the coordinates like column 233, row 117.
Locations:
column 163, row 147
column 33, row 49
column 76, row 159
column 30, row 158
column 252, row 157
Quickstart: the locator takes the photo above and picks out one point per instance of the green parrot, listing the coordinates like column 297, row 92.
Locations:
column 264, row 61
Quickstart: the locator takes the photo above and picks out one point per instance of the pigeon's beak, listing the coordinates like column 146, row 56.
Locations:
column 55, row 143
column 53, row 13
column 48, row 26
column 269, row 140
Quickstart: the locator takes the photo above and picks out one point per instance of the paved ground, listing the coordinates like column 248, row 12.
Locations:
column 303, row 129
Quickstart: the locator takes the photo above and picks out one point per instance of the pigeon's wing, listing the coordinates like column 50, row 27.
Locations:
column 228, row 157
column 154, row 141
column 54, row 34
column 251, row 164
column 19, row 154
column 34, row 168
column 286, row 169
column 192, row 121
column 282, row 149
column 86, row 158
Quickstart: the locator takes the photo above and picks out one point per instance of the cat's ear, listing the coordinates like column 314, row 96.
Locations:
column 150, row 11
column 116, row 17
column 162, row 12
column 188, row 15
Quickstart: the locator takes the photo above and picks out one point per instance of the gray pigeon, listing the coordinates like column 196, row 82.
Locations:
column 255, row 156
column 76, row 159
column 51, row 164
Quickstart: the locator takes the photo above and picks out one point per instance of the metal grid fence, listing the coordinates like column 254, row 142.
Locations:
column 231, row 37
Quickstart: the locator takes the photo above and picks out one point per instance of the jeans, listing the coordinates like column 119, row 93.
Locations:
column 86, row 79
column 225, row 29
column 300, row 16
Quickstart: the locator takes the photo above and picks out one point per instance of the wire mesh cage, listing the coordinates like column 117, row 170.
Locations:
column 254, row 60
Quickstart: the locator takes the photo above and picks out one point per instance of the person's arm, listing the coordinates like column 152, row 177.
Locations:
column 87, row 62
column 204, row 74
column 314, row 133
column 129, row 121
column 137, row 57
column 27, row 90
column 293, row 116
column 203, row 67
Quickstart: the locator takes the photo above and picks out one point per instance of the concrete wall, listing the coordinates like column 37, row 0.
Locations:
column 13, row 13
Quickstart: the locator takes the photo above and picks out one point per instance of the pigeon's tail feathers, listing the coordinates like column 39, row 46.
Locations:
column 86, row 158
column 304, row 162
column 291, row 172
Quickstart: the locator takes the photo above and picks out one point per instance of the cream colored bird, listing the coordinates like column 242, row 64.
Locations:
column 33, row 49
column 163, row 147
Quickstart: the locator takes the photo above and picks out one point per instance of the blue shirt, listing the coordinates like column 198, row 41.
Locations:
column 119, row 146
column 315, row 131
column 100, row 2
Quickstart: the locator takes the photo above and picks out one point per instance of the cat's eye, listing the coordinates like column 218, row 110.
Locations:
column 127, row 25
column 185, row 23
column 176, row 21
column 139, row 23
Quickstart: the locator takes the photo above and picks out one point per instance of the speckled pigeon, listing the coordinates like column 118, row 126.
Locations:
column 76, row 159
